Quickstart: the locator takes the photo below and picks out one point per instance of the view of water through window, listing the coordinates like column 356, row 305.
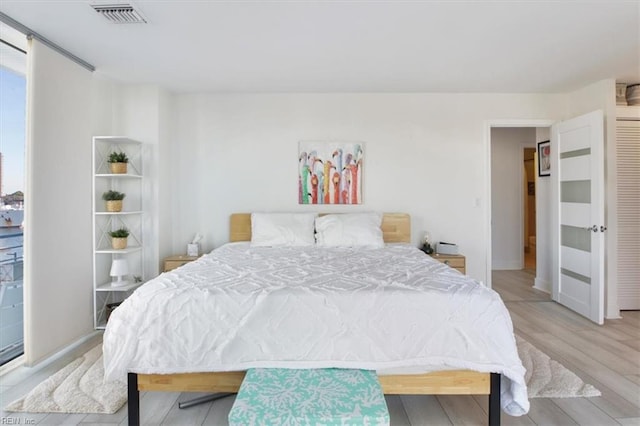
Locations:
column 12, row 178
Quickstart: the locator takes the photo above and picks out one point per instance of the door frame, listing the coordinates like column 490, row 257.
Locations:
column 488, row 124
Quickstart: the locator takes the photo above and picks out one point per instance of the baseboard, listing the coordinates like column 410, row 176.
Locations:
column 20, row 361
column 542, row 285
column 70, row 347
column 612, row 311
column 11, row 365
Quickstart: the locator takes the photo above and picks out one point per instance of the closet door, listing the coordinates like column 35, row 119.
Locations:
column 628, row 232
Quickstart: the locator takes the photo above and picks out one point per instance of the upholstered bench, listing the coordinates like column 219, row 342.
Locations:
column 276, row 396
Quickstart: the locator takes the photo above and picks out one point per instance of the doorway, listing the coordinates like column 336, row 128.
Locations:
column 508, row 187
column 512, row 215
column 561, row 211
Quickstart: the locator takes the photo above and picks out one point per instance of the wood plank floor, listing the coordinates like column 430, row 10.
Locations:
column 607, row 357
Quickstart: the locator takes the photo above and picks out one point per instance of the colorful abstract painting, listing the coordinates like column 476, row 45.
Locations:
column 330, row 172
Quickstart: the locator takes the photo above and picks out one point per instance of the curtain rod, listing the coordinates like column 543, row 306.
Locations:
column 6, row 43
column 32, row 34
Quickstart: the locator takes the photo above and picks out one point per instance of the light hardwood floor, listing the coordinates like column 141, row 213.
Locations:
column 607, row 357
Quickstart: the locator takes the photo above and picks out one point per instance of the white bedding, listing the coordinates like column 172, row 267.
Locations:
column 388, row 309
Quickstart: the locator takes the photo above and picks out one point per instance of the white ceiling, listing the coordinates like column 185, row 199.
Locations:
column 350, row 46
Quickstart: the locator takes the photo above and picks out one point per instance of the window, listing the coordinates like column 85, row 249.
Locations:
column 12, row 178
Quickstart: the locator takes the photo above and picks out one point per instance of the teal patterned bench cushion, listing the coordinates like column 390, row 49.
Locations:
column 327, row 396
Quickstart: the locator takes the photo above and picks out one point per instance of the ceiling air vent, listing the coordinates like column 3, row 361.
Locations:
column 119, row 13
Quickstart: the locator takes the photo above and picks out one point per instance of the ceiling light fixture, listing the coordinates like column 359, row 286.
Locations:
column 119, row 13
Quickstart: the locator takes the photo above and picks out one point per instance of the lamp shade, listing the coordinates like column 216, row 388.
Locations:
column 119, row 269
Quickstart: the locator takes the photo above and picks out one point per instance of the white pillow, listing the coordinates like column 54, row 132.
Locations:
column 349, row 230
column 282, row 229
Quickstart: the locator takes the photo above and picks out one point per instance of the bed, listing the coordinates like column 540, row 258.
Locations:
column 464, row 346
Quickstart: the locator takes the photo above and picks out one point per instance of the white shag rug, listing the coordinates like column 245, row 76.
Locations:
column 547, row 378
column 79, row 387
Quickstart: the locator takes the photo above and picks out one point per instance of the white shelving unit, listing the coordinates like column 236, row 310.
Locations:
column 131, row 217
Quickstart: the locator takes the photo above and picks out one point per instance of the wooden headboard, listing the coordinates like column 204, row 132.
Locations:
column 396, row 227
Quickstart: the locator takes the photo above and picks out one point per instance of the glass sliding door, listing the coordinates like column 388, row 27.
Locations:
column 12, row 179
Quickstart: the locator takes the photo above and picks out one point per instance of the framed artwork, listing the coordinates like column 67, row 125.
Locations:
column 544, row 158
column 330, row 172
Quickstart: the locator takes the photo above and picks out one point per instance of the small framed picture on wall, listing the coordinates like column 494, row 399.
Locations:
column 544, row 158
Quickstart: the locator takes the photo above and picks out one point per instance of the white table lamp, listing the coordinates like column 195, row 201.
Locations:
column 119, row 269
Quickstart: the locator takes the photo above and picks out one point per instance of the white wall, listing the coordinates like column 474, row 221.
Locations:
column 507, row 149
column 144, row 113
column 103, row 92
column 58, row 271
column 424, row 154
column 167, row 193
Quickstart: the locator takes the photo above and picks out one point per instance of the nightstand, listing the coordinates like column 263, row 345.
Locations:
column 173, row 262
column 456, row 261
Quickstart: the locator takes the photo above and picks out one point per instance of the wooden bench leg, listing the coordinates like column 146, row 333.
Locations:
column 494, row 400
column 133, row 396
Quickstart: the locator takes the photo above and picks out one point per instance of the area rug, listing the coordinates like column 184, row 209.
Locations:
column 79, row 387
column 76, row 388
column 547, row 378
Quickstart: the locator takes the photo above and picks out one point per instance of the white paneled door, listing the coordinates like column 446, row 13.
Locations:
column 577, row 173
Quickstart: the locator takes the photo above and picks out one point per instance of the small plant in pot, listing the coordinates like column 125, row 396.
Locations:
column 114, row 200
column 118, row 162
column 119, row 238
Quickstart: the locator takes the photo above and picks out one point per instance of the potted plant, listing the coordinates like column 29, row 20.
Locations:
column 118, row 162
column 114, row 200
column 119, row 238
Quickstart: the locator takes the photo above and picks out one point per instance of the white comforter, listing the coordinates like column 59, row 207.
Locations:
column 392, row 309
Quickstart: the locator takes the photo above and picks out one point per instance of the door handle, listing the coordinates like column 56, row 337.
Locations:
column 603, row 228
column 593, row 228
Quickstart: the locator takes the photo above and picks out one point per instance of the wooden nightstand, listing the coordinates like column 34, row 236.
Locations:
column 456, row 261
column 172, row 262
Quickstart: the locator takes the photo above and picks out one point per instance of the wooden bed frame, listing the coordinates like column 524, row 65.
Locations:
column 396, row 227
